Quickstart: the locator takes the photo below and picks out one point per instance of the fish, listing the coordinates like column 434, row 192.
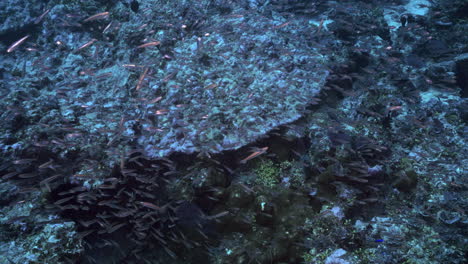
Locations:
column 320, row 26
column 106, row 28
column 115, row 227
column 87, row 44
column 64, row 200
column 83, row 234
column 217, row 215
column 23, row 161
column 17, row 43
column 169, row 252
column 28, row 175
column 123, row 214
column 282, row 25
column 248, row 189
column 142, row 26
column 142, row 78
column 149, row 205
column 129, row 65
column 162, row 111
column 149, row 44
column 168, row 77
column 254, row 154
column 27, row 190
column 9, row 175
column 211, row 86
column 155, row 100
column 104, row 75
column 97, row 16
column 153, row 129
column 39, row 19
column 395, row 108
column 235, row 16
column 46, row 165
column 87, row 223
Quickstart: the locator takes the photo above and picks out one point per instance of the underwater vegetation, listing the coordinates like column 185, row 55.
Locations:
column 222, row 131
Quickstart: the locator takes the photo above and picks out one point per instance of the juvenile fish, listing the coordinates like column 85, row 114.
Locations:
column 142, row 78
column 150, row 205
column 149, row 44
column 255, row 154
column 46, row 164
column 23, row 161
column 39, row 19
column 87, row 44
column 97, row 16
column 17, row 43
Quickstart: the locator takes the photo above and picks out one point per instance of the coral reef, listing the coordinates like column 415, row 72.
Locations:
column 223, row 131
column 30, row 235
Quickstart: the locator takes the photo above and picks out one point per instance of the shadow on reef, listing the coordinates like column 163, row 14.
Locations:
column 130, row 212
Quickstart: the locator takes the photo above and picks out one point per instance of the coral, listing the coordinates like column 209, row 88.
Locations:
column 267, row 173
column 29, row 235
column 54, row 243
column 353, row 166
column 336, row 257
column 407, row 245
column 255, row 214
column 292, row 173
